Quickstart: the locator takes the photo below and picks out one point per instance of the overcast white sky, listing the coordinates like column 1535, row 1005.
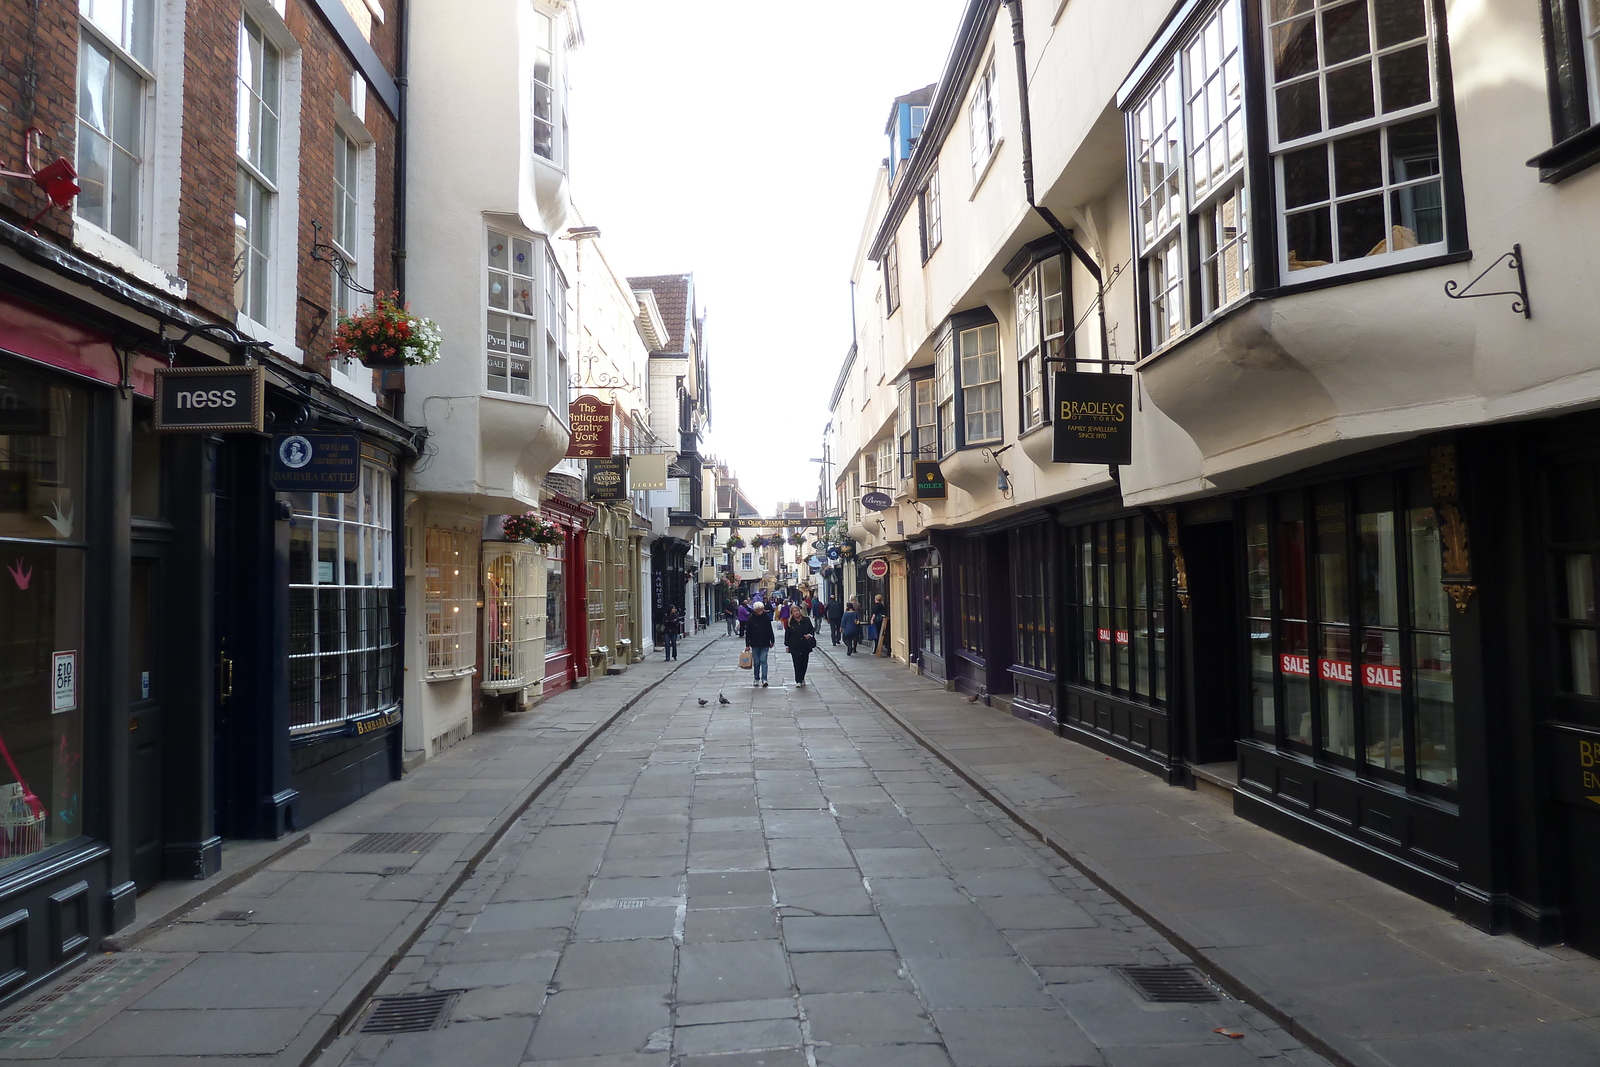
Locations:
column 738, row 140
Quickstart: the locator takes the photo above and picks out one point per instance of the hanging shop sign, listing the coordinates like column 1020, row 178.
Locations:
column 607, row 479
column 648, row 471
column 316, row 462
column 929, row 479
column 876, row 501
column 878, row 569
column 210, row 399
column 833, row 552
column 590, row 419
column 1577, row 764
column 1093, row 418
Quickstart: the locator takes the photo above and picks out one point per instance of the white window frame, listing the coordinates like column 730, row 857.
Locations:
column 553, row 118
column 945, row 394
column 925, row 431
column 152, row 257
column 556, row 295
column 276, row 324
column 891, row 278
column 523, row 308
column 1382, row 122
column 980, row 386
column 1037, row 344
column 361, row 199
column 450, row 598
column 1189, row 149
column 983, row 121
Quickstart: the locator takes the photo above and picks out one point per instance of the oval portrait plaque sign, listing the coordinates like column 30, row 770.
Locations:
column 876, row 501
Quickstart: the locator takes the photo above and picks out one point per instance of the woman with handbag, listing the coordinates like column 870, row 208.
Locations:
column 850, row 628
column 800, row 639
column 758, row 641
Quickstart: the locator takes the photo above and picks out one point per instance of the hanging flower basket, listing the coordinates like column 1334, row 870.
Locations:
column 735, row 541
column 530, row 527
column 387, row 335
column 797, row 539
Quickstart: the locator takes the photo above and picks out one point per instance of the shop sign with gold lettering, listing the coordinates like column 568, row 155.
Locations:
column 210, row 399
column 1577, row 757
column 1093, row 418
column 929, row 480
column 607, row 479
column 590, row 418
column 373, row 725
column 316, row 462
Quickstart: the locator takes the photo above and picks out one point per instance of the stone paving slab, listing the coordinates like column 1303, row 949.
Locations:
column 326, row 928
column 1345, row 963
column 820, row 944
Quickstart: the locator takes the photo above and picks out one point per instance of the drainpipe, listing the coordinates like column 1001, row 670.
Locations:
column 1019, row 45
column 398, row 244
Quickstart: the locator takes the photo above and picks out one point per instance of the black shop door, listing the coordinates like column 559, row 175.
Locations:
column 1213, row 712
column 146, row 688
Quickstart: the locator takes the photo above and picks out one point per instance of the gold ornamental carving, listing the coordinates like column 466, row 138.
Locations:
column 1179, row 563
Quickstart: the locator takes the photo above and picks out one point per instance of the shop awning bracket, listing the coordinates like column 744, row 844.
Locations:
column 1519, row 295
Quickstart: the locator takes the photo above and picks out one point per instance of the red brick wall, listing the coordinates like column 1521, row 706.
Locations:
column 38, row 87
column 38, row 71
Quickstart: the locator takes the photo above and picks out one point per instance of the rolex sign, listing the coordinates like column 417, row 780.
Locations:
column 1093, row 417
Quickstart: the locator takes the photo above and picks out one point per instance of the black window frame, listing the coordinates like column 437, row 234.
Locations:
column 930, row 223
column 891, row 280
column 1571, row 71
column 1093, row 626
column 1260, row 183
column 1031, row 260
column 906, row 397
column 954, row 326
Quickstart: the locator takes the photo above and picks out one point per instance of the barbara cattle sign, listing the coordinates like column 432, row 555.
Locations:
column 210, row 399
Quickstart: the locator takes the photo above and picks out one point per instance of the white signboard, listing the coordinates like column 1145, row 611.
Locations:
column 64, row 670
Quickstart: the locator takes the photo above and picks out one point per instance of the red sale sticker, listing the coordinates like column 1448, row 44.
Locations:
column 1122, row 637
column 1376, row 677
column 1333, row 670
column 1296, row 665
column 1103, row 634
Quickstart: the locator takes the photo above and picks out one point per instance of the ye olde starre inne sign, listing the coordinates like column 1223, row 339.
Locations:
column 210, row 399
column 590, row 418
column 1093, row 418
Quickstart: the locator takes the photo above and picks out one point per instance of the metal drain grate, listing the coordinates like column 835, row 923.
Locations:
column 630, row 903
column 410, row 1013
column 394, row 872
column 232, row 916
column 378, row 844
column 1169, row 985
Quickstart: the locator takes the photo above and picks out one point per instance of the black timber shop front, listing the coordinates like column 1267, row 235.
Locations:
column 1393, row 658
column 186, row 654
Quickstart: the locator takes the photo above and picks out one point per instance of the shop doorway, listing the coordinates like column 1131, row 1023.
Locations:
column 1212, row 722
column 146, row 689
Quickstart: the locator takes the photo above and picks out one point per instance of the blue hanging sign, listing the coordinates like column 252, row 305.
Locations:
column 316, row 462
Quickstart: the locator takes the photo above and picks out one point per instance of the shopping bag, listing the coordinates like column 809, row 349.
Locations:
column 747, row 659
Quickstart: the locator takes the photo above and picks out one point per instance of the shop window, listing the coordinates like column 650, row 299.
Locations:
column 619, row 587
column 1349, row 628
column 933, row 604
column 449, row 601
column 969, row 594
column 555, row 599
column 509, row 572
column 44, row 666
column 1120, row 600
column 1033, row 584
column 342, row 645
column 595, row 577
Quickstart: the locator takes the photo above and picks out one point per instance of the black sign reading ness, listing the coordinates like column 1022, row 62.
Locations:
column 210, row 399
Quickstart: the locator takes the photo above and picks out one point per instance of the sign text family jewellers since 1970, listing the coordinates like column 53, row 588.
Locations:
column 591, row 428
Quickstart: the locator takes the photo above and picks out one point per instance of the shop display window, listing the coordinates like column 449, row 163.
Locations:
column 1033, row 585
column 450, row 600
column 509, row 611
column 44, row 668
column 933, row 604
column 969, row 594
column 1348, row 644
column 342, row 643
column 1120, row 604
column 555, row 600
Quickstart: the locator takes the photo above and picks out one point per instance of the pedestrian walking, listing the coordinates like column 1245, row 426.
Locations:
column 784, row 611
column 880, row 626
column 758, row 640
column 800, row 638
column 743, row 614
column 730, row 615
column 835, row 612
column 671, row 622
column 850, row 628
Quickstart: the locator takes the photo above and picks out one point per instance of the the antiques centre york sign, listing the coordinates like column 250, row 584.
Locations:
column 590, row 418
column 316, row 462
column 210, row 399
column 1093, row 418
column 607, row 479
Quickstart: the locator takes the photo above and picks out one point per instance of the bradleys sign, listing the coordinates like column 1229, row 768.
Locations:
column 210, row 399
column 1092, row 418
column 590, row 418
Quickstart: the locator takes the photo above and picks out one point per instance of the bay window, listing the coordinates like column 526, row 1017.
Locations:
column 544, row 87
column 450, row 601
column 980, row 383
column 259, row 106
column 555, row 334
column 944, row 394
column 513, row 315
column 1349, row 628
column 1040, row 299
column 904, row 428
column 116, row 60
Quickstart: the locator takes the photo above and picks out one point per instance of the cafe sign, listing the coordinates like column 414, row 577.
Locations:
column 590, row 419
column 1092, row 417
column 607, row 479
column 210, row 399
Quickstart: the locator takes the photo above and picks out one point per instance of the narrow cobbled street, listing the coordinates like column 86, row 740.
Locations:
column 788, row 880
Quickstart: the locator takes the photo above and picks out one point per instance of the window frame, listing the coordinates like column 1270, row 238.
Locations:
column 1572, row 73
column 930, row 224
column 546, row 50
column 1261, row 213
column 118, row 53
column 1105, row 612
column 543, row 315
column 891, row 283
column 1037, row 348
column 256, row 244
column 965, row 390
column 985, row 137
column 947, row 417
column 454, row 592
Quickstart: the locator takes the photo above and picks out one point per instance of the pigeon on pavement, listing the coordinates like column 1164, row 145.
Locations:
column 722, row 699
column 703, row 701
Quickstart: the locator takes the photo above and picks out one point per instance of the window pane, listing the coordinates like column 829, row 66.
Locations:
column 1310, row 239
column 1436, row 718
column 1400, row 20
column 1381, row 697
column 1357, row 163
column 1334, row 679
column 1378, row 576
column 1344, row 32
column 1294, row 49
column 1350, row 95
column 1299, row 110
column 1361, row 228
column 1403, row 78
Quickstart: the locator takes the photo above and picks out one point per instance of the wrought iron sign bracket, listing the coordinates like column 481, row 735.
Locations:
column 1519, row 295
column 216, row 331
column 327, row 253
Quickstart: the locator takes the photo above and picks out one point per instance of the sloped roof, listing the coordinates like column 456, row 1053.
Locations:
column 674, row 297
